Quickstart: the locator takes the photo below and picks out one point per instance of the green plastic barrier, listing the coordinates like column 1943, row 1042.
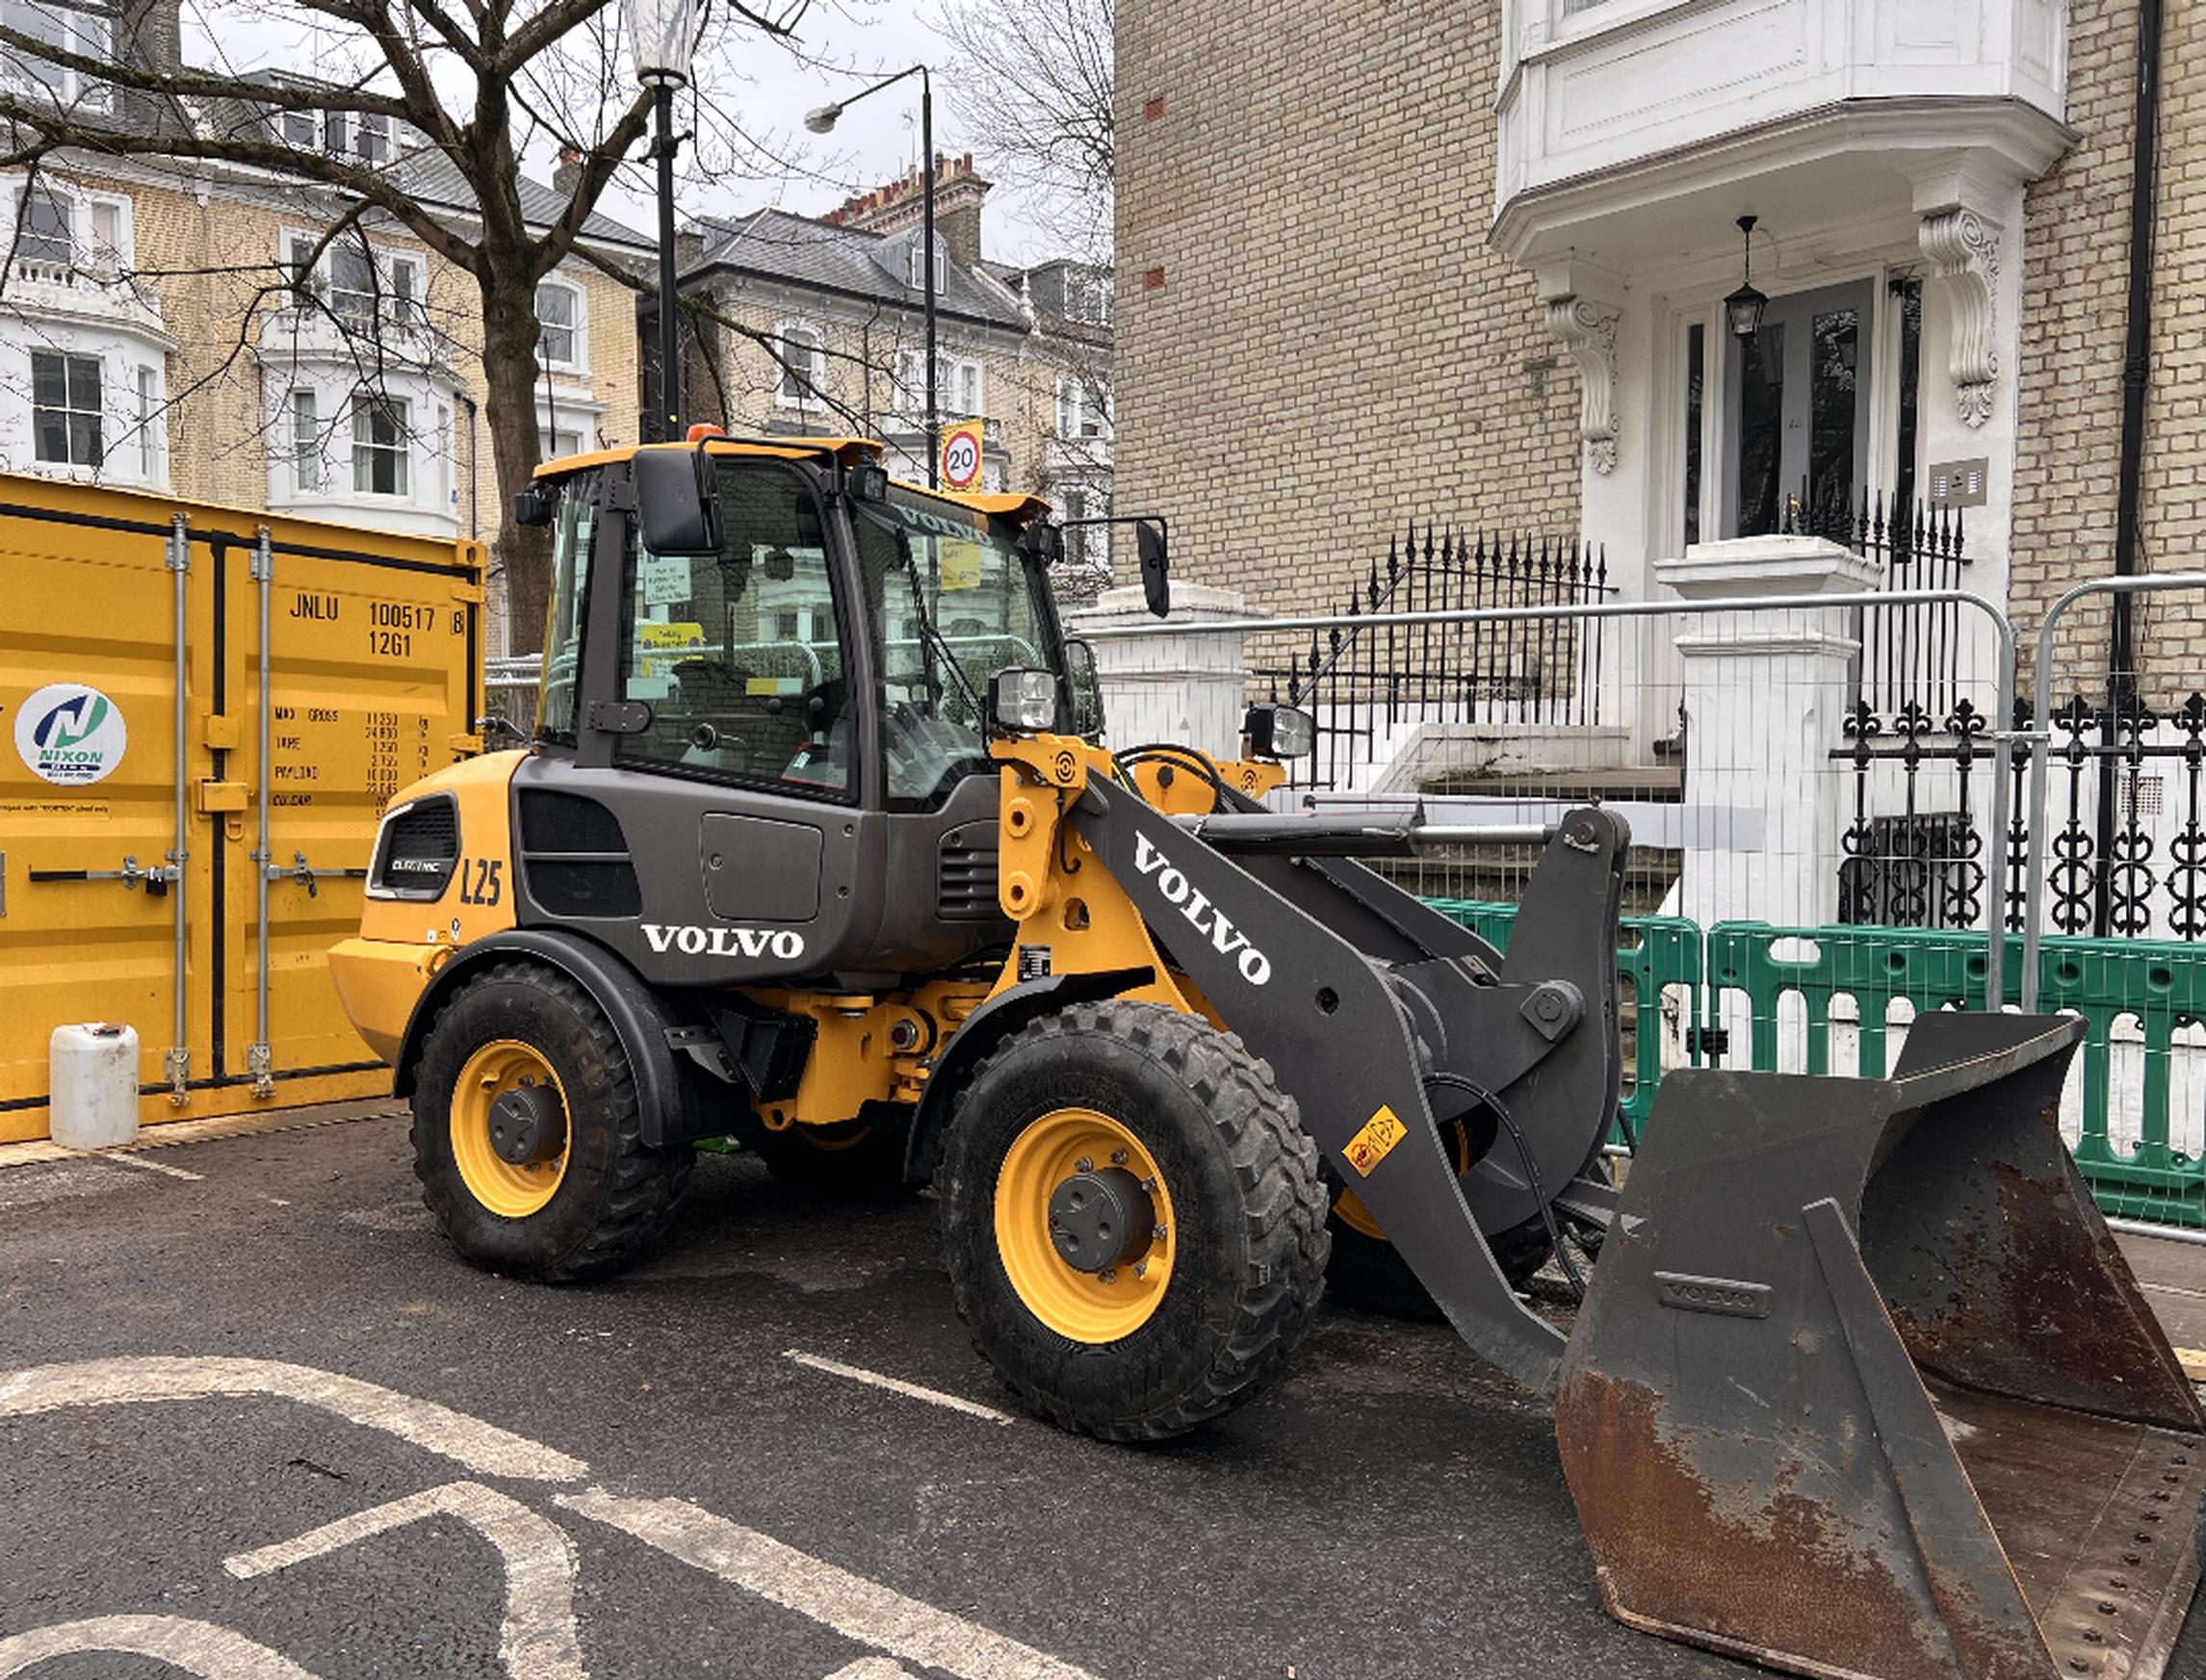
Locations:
column 2158, row 987
column 1659, row 951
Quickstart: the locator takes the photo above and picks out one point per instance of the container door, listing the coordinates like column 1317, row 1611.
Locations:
column 87, row 790
column 370, row 672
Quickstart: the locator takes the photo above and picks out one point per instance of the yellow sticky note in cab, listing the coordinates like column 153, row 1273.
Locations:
column 654, row 636
column 960, row 564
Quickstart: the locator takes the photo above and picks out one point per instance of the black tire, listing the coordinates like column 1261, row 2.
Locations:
column 614, row 1194
column 1249, row 1242
column 859, row 1160
column 1368, row 1273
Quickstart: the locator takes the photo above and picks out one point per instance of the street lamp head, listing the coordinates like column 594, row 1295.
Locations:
column 822, row 121
column 661, row 36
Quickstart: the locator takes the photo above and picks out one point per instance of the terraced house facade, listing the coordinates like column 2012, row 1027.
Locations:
column 198, row 329
column 816, row 325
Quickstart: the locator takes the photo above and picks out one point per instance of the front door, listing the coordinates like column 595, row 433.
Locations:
column 1797, row 409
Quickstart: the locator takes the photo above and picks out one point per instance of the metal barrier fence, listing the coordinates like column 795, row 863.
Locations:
column 1839, row 1000
column 1758, row 826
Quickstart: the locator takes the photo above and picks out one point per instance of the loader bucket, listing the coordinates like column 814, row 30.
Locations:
column 1864, row 1388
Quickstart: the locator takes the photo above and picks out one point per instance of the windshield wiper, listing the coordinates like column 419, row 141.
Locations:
column 935, row 638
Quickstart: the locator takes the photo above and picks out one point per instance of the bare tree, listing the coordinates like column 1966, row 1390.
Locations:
column 1032, row 82
column 476, row 81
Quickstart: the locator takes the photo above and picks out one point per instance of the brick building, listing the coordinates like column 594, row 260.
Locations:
column 830, row 336
column 189, row 327
column 1476, row 270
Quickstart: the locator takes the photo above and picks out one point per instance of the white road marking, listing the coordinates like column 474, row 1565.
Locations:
column 483, row 1448
column 538, row 1640
column 197, row 1648
column 872, row 1669
column 897, row 1385
column 858, row 1608
column 149, row 1166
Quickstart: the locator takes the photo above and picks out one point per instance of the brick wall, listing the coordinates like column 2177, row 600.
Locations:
column 2074, row 321
column 1315, row 341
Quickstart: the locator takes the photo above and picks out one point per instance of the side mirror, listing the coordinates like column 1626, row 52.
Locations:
column 1044, row 542
column 536, row 505
column 1149, row 542
column 1087, row 720
column 677, row 502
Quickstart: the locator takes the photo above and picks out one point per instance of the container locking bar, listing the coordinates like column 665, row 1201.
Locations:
column 156, row 876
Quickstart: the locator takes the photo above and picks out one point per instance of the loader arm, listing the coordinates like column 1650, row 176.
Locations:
column 1368, row 1042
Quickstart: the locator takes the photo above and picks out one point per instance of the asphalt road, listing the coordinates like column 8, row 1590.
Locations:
column 635, row 1478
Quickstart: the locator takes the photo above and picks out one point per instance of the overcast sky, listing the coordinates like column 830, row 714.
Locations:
column 841, row 46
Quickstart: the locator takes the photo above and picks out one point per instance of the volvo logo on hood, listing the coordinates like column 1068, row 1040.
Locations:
column 1204, row 917
column 726, row 942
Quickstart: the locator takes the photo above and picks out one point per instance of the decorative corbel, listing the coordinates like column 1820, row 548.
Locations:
column 1587, row 332
column 1963, row 250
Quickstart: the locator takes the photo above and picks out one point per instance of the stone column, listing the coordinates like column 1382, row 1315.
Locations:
column 1766, row 693
column 1188, row 690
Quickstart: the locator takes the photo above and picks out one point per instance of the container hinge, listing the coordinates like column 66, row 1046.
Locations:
column 176, row 1067
column 261, row 1066
column 1711, row 1042
column 306, row 874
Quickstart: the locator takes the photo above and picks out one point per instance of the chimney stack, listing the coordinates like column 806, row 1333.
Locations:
column 569, row 173
column 958, row 195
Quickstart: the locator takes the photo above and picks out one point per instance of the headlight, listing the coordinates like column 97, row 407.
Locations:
column 1023, row 699
column 1280, row 732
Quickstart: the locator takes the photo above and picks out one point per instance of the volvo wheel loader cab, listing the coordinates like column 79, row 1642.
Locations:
column 807, row 851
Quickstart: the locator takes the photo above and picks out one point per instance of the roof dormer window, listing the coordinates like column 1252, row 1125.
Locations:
column 69, row 29
column 916, row 267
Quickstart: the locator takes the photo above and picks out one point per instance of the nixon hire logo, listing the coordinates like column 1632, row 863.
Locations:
column 726, row 942
column 69, row 734
column 1230, row 940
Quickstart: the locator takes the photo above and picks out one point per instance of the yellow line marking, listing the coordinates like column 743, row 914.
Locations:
column 2193, row 1362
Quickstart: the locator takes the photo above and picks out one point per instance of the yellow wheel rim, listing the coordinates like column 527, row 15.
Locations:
column 1094, row 1308
column 513, row 1192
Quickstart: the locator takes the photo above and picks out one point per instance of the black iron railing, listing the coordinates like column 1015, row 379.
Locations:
column 2125, row 818
column 1363, row 681
column 1912, row 653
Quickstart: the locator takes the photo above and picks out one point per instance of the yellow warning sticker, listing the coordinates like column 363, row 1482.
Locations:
column 1380, row 1134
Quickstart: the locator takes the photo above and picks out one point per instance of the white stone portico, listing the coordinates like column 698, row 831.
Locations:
column 1883, row 146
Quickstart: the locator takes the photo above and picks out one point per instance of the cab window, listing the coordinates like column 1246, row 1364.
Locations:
column 739, row 654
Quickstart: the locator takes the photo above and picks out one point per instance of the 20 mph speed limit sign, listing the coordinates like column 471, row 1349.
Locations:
column 961, row 457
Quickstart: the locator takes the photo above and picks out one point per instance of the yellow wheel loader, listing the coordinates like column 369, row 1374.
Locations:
column 808, row 849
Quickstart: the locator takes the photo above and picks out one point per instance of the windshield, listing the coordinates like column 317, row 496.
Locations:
column 954, row 602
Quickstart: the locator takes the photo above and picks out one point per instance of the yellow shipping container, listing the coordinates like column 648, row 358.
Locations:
column 155, row 655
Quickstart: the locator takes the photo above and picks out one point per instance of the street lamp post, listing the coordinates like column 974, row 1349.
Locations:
column 659, row 34
column 820, row 121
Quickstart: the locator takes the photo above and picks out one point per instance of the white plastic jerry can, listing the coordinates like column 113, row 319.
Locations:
column 95, row 1068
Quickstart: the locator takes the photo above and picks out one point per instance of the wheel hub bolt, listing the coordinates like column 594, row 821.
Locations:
column 1108, row 1275
column 1141, row 1268
column 1118, row 1157
column 1084, row 1164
